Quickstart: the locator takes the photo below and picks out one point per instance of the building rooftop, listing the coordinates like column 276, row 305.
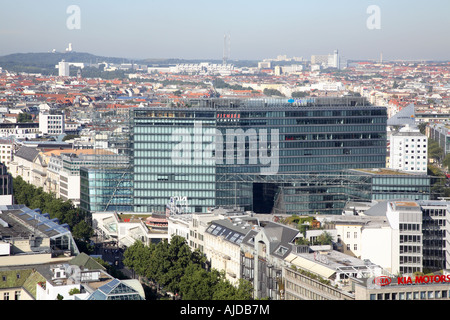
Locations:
column 232, row 230
column 384, row 171
column 27, row 153
column 326, row 264
column 22, row 221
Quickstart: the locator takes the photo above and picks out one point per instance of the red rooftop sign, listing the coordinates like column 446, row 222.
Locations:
column 384, row 280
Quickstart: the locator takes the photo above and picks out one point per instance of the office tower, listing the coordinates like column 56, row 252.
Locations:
column 245, row 153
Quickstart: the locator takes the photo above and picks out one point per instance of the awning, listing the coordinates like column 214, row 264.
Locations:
column 311, row 266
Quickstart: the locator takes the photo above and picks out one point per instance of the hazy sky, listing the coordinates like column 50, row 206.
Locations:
column 258, row 29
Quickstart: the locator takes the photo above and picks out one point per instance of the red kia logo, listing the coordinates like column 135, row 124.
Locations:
column 382, row 281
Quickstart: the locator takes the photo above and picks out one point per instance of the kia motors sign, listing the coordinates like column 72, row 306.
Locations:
column 382, row 281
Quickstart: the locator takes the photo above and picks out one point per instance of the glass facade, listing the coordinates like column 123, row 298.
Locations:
column 390, row 185
column 161, row 171
column 106, row 189
column 193, row 150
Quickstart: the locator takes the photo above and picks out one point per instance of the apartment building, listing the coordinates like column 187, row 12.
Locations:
column 409, row 150
column 440, row 132
column 263, row 252
column 222, row 244
column 402, row 236
column 30, row 165
column 52, row 124
column 324, row 275
column 21, row 130
column 253, row 247
column 193, row 226
column 6, row 151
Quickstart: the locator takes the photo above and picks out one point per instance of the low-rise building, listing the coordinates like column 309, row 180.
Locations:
column 114, row 227
column 81, row 278
column 28, row 237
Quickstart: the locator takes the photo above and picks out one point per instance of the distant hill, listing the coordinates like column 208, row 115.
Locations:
column 45, row 62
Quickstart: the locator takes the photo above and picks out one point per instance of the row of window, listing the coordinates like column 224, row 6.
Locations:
column 155, row 196
column 402, row 180
column 141, row 176
column 208, row 129
column 410, row 260
column 409, row 227
column 416, row 295
column 6, row 295
column 410, row 238
column 410, row 249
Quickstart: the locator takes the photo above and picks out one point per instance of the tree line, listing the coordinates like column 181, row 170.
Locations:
column 178, row 269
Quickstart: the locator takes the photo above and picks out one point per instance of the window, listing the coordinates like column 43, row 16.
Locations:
column 6, row 296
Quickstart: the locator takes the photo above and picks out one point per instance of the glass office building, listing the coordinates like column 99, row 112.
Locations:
column 106, row 189
column 225, row 152
column 388, row 184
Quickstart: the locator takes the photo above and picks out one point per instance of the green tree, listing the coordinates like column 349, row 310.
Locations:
column 74, row 291
column 324, row 238
column 35, row 198
column 446, row 162
column 137, row 257
column 272, row 92
column 24, row 117
column 435, row 151
column 82, row 231
column 180, row 256
column 197, row 283
column 299, row 94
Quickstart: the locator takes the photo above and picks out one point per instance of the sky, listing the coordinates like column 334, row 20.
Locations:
column 195, row 29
